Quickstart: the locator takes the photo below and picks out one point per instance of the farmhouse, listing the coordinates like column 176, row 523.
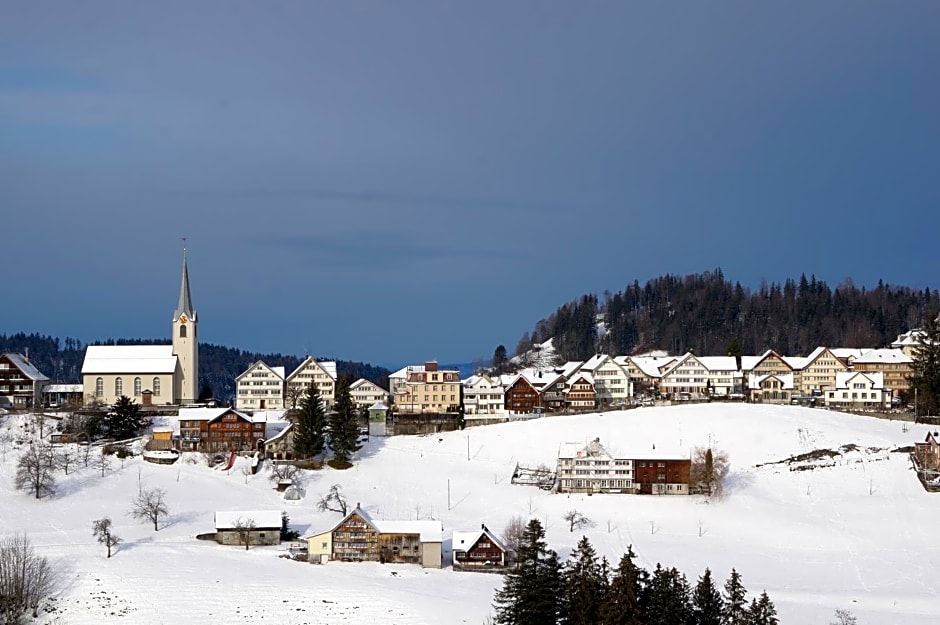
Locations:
column 478, row 549
column 360, row 538
column 590, row 469
column 219, row 429
column 262, row 527
column 20, row 382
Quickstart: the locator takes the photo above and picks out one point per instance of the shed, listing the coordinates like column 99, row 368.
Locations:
column 263, row 527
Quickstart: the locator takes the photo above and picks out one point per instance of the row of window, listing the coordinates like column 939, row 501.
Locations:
column 119, row 387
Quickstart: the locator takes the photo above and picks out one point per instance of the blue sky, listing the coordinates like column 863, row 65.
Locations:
column 396, row 182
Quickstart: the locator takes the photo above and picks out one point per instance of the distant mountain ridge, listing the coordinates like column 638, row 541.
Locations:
column 704, row 312
column 61, row 361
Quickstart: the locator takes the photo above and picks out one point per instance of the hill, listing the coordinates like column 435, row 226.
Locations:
column 852, row 529
column 704, row 312
column 61, row 360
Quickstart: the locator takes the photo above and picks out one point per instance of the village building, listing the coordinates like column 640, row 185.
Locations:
column 429, row 390
column 612, row 386
column 360, row 538
column 858, row 390
column 928, row 452
column 479, row 549
column 322, row 374
column 896, row 366
column 483, row 395
column 220, row 429
column 818, row 371
column 258, row 527
column 771, row 388
column 365, row 393
column 662, row 474
column 580, row 395
column 62, row 396
column 169, row 372
column 21, row 382
column 260, row 387
column 589, row 468
column 522, row 397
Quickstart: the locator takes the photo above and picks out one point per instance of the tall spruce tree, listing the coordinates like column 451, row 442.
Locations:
column 926, row 366
column 585, row 586
column 622, row 602
column 531, row 592
column 343, row 425
column 735, row 597
column 310, row 424
column 124, row 419
column 707, row 603
column 668, row 600
column 762, row 611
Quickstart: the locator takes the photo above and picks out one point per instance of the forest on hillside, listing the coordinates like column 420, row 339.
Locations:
column 61, row 361
column 704, row 312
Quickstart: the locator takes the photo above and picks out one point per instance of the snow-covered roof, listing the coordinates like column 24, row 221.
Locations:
column 278, row 371
column 201, row 414
column 719, row 363
column 879, row 356
column 25, row 367
column 749, row 362
column 593, row 449
column 404, row 371
column 462, row 541
column 129, row 359
column 328, row 367
column 594, row 362
column 652, row 366
column 872, row 379
column 275, row 431
column 264, row 519
column 429, row 531
column 786, row 380
column 378, row 406
column 62, row 388
column 367, row 383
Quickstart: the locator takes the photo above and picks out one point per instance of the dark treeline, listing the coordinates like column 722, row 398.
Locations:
column 61, row 360
column 702, row 313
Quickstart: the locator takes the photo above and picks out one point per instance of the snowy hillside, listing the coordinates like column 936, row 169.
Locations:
column 853, row 532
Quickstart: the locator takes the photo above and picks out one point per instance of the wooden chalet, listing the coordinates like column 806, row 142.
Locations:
column 20, row 382
column 928, row 452
column 219, row 429
column 360, row 538
column 478, row 549
column 581, row 393
column 522, row 397
column 662, row 475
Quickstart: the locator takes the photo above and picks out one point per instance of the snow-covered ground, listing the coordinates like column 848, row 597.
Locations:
column 855, row 532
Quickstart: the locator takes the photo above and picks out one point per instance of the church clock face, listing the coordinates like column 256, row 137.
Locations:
column 183, row 318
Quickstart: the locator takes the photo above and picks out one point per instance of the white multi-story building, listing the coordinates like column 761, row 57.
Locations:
column 365, row 394
column 483, row 395
column 260, row 387
column 859, row 390
column 322, row 374
column 429, row 390
column 590, row 469
column 612, row 385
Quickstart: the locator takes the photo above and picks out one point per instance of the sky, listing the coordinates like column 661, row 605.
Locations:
column 400, row 182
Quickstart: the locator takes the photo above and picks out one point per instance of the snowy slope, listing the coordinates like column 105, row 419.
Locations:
column 853, row 533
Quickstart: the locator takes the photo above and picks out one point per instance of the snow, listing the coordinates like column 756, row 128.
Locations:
column 853, row 530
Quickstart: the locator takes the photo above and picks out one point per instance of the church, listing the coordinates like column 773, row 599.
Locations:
column 149, row 374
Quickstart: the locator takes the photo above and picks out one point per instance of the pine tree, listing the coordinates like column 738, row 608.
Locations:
column 926, row 365
column 667, row 600
column 622, row 601
column 585, row 586
column 343, row 426
column 500, row 360
column 310, row 424
column 735, row 598
column 762, row 611
column 124, row 419
column 531, row 592
column 707, row 603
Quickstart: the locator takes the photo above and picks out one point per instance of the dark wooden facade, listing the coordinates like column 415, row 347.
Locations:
column 225, row 432
column 20, row 382
column 522, row 397
column 355, row 540
column 485, row 551
column 661, row 476
column 581, row 395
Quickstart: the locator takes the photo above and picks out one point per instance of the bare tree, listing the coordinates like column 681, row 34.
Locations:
column 293, row 394
column 33, row 472
column 103, row 462
column 25, row 578
column 576, row 520
column 246, row 471
column 65, row 458
column 284, row 472
column 102, row 532
column 709, row 470
column 244, row 527
column 844, row 617
column 512, row 534
column 85, row 453
column 150, row 505
column 333, row 500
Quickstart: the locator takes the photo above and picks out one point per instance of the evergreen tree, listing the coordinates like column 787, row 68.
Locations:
column 734, row 349
column 585, row 586
column 926, row 376
column 762, row 611
column 124, row 420
column 735, row 598
column 667, row 600
column 531, row 592
column 310, row 424
column 343, row 425
column 622, row 601
column 707, row 603
column 500, row 360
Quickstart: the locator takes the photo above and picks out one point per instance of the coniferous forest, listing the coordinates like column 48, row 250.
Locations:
column 704, row 312
column 61, row 361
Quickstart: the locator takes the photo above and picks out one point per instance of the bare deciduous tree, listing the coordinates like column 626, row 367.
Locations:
column 25, row 578
column 103, row 462
column 65, row 458
column 244, row 527
column 512, row 534
column 284, row 472
column 34, row 473
column 150, row 505
column 844, row 617
column 102, row 532
column 576, row 520
column 333, row 500
column 709, row 470
column 85, row 454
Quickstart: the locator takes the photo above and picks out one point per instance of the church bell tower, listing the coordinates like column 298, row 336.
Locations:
column 186, row 344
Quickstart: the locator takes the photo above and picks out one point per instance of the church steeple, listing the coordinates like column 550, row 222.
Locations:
column 185, row 305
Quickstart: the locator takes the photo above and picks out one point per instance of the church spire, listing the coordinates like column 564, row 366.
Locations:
column 185, row 304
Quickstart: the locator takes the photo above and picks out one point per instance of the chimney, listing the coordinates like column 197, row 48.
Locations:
column 430, row 366
column 357, row 505
column 26, row 356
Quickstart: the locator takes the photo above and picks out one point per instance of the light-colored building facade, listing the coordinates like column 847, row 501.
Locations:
column 770, row 388
column 431, row 390
column 589, row 468
column 818, row 373
column 260, row 387
column 612, row 385
column 323, row 374
column 365, row 393
column 858, row 391
column 894, row 364
column 483, row 395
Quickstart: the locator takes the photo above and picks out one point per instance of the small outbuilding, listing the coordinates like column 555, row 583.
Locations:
column 261, row 527
column 480, row 549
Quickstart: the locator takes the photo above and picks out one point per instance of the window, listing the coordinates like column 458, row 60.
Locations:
column 118, row 387
column 137, row 387
column 182, row 332
column 156, row 386
column 99, row 387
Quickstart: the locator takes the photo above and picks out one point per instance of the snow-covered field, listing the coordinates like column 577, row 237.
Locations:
column 855, row 532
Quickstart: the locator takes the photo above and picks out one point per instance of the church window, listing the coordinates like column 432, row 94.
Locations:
column 156, row 386
column 137, row 387
column 99, row 387
column 118, row 387
column 182, row 332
